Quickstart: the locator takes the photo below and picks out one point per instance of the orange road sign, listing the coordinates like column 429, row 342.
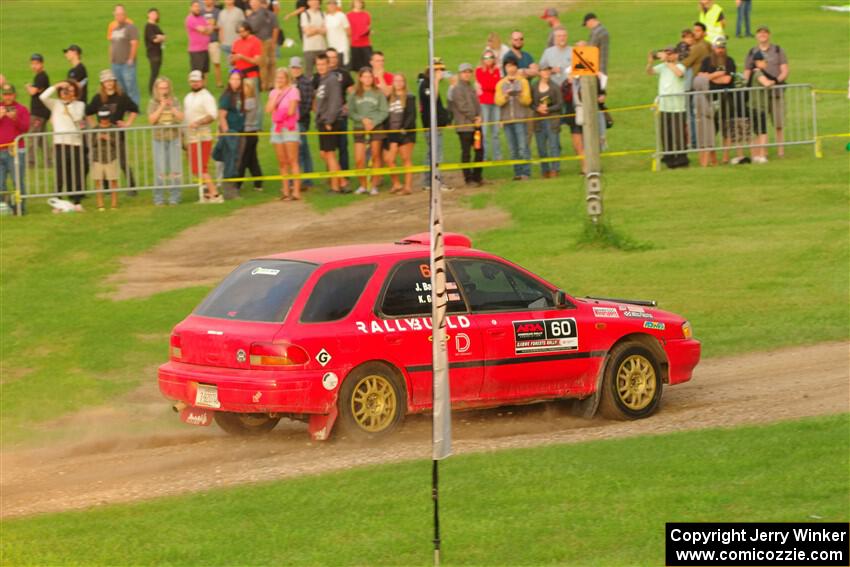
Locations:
column 585, row 60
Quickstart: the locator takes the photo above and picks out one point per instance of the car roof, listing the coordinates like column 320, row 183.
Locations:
column 355, row 252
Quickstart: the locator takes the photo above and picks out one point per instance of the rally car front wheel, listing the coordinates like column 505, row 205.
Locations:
column 372, row 402
column 249, row 424
column 632, row 384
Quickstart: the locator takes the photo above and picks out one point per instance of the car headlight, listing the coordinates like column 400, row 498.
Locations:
column 687, row 330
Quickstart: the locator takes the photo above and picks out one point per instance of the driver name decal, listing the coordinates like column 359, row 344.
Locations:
column 545, row 335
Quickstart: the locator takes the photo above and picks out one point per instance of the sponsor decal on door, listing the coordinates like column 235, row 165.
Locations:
column 545, row 335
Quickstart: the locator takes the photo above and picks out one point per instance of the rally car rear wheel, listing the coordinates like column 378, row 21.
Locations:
column 250, row 424
column 372, row 402
column 631, row 388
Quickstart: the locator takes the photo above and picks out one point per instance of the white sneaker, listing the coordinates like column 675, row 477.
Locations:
column 374, row 191
column 361, row 191
column 446, row 189
column 736, row 160
column 760, row 159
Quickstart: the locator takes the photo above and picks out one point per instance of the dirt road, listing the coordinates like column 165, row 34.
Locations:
column 120, row 467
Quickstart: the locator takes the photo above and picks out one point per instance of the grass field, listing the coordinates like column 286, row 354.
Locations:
column 599, row 503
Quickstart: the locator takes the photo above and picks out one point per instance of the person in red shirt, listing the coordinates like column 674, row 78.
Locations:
column 361, row 44
column 246, row 52
column 14, row 121
column 383, row 80
column 486, row 76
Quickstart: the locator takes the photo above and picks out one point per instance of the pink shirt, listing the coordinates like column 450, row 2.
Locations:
column 197, row 40
column 281, row 117
column 360, row 23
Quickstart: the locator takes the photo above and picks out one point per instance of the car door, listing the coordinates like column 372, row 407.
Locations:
column 531, row 347
column 404, row 321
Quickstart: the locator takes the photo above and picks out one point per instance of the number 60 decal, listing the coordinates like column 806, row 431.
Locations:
column 561, row 328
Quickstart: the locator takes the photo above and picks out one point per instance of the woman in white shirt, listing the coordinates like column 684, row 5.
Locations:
column 67, row 115
column 338, row 32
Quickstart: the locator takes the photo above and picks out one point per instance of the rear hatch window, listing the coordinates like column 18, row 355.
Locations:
column 259, row 290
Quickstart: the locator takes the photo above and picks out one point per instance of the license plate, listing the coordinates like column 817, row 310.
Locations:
column 207, row 396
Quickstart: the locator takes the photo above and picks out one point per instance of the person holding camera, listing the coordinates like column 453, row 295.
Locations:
column 513, row 95
column 14, row 121
column 774, row 68
column 67, row 115
column 671, row 82
column 164, row 110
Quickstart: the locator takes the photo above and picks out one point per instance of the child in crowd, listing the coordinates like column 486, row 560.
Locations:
column 105, row 159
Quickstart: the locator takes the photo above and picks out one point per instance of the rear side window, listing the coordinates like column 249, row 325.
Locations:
column 409, row 291
column 336, row 293
column 259, row 290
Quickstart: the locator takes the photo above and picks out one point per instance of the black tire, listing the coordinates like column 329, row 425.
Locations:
column 372, row 402
column 245, row 424
column 632, row 384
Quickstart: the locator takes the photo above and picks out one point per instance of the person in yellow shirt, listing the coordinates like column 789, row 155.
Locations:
column 513, row 97
column 712, row 17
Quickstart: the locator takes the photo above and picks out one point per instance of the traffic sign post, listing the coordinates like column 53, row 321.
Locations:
column 585, row 66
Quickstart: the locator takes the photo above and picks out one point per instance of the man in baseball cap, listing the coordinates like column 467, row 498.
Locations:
column 776, row 67
column 551, row 17
column 598, row 38
column 305, row 106
column 14, row 121
column 73, row 53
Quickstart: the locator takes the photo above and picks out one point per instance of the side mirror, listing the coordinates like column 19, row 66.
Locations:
column 561, row 301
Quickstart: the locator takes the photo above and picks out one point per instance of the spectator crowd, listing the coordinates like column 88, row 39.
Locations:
column 340, row 86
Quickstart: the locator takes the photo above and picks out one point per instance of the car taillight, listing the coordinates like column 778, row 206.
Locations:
column 687, row 330
column 176, row 353
column 277, row 354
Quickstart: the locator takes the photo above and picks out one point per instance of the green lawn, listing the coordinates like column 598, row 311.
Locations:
column 597, row 503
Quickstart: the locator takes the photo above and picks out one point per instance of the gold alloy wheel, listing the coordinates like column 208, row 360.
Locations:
column 374, row 403
column 636, row 382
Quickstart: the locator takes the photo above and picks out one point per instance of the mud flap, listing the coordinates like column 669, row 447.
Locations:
column 321, row 425
column 587, row 407
column 196, row 416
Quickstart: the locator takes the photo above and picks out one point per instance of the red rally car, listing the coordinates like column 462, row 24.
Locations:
column 342, row 336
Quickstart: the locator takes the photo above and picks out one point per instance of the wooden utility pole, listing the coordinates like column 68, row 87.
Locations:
column 590, row 138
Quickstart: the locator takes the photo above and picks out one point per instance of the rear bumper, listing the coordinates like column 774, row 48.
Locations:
column 249, row 391
column 682, row 355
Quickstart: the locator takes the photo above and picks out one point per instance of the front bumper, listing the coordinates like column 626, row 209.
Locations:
column 683, row 356
column 250, row 391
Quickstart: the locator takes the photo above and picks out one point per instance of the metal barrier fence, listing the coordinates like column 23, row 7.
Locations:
column 91, row 161
column 731, row 120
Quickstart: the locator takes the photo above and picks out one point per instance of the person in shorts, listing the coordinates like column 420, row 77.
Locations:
column 104, row 156
column 199, row 112
column 328, row 111
column 199, row 31
column 210, row 11
column 368, row 108
column 285, row 136
column 401, row 117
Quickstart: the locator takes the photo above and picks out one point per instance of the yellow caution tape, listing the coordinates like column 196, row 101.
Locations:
column 449, row 127
column 844, row 135
column 381, row 171
column 828, row 91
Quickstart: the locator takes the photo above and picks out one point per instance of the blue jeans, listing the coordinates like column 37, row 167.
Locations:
column 743, row 17
column 126, row 75
column 426, row 177
column 305, row 160
column 7, row 170
column 548, row 146
column 492, row 144
column 517, row 135
column 168, row 165
column 226, row 52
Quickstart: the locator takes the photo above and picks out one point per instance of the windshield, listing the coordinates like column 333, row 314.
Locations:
column 259, row 290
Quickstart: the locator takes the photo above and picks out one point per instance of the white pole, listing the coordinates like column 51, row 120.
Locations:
column 441, row 405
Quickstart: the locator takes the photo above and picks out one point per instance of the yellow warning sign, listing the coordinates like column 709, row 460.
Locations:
column 585, row 60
